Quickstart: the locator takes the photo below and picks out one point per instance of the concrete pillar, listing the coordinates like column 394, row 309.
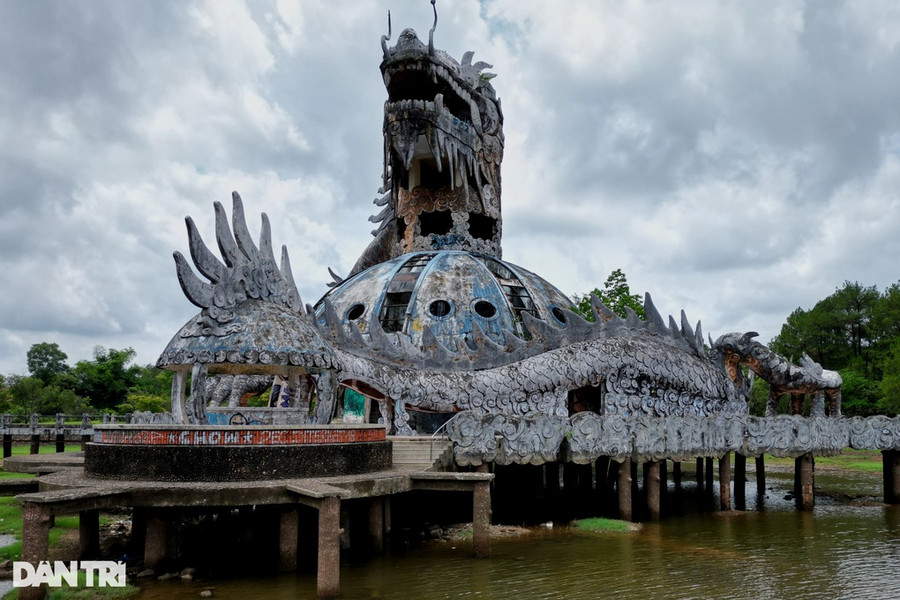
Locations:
column 288, row 533
column 7, row 445
column 89, row 534
column 652, row 488
column 890, row 460
column 481, row 519
column 698, row 473
column 35, row 443
column 740, row 481
column 328, row 576
column 760, row 480
column 60, row 442
column 624, row 490
column 36, row 523
column 805, row 480
column 376, row 524
column 155, row 540
column 725, row 481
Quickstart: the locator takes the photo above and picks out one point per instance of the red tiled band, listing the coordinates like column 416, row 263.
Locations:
column 241, row 437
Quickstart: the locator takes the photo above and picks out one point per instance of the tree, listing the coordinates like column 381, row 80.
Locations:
column 890, row 383
column 46, row 361
column 106, row 379
column 616, row 295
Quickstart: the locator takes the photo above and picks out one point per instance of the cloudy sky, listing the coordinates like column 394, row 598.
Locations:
column 735, row 159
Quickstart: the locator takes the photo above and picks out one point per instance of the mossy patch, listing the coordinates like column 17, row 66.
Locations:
column 601, row 525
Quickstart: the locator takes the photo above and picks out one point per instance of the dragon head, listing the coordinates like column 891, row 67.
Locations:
column 443, row 144
column 733, row 350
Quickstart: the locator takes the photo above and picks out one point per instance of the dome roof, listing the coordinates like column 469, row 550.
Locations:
column 450, row 292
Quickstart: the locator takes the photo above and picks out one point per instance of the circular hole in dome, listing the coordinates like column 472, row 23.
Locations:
column 439, row 308
column 485, row 309
column 356, row 311
column 559, row 314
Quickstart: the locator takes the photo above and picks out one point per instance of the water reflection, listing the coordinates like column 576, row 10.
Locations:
column 839, row 551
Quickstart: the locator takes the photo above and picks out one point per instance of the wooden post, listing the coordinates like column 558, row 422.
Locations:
column 804, row 468
column 288, row 533
column 760, row 480
column 725, row 482
column 652, row 487
column 890, row 460
column 481, row 519
column 328, row 576
column 36, row 522
column 740, row 481
column 624, row 490
column 376, row 524
column 155, row 541
column 89, row 534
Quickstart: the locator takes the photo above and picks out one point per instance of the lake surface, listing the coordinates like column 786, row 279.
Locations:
column 848, row 547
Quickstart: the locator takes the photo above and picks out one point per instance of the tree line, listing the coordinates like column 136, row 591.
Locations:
column 855, row 331
column 109, row 382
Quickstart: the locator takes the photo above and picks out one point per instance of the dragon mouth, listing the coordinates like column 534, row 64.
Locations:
column 433, row 89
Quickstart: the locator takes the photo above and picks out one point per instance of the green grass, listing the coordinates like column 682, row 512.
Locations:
column 11, row 523
column 83, row 593
column 45, row 448
column 599, row 524
column 849, row 459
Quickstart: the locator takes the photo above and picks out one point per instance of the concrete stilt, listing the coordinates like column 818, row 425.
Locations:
column 89, row 534
column 698, row 473
column 891, row 465
column 624, row 490
column 740, row 481
column 652, row 487
column 288, row 534
column 155, row 540
column 710, row 499
column 328, row 576
column 725, row 482
column 481, row 519
column 805, row 481
column 760, row 480
column 36, row 520
column 376, row 524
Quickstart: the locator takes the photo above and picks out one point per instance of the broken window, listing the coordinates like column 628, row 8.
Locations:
column 439, row 222
column 482, row 227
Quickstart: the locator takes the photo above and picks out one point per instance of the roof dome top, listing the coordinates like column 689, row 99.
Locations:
column 449, row 292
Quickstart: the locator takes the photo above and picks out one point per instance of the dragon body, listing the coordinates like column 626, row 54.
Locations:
column 431, row 318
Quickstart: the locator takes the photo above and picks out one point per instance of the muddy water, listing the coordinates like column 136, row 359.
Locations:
column 849, row 547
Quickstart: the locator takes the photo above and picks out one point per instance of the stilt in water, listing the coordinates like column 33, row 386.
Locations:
column 740, row 481
column 760, row 481
column 652, row 489
column 891, row 465
column 725, row 482
column 804, row 481
column 624, row 490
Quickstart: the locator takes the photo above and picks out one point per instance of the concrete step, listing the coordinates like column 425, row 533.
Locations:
column 421, row 451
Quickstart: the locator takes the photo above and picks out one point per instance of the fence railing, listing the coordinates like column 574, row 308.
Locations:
column 55, row 429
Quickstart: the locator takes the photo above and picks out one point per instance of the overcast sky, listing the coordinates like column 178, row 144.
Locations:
column 735, row 159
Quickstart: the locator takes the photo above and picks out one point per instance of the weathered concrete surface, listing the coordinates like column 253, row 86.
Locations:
column 328, row 574
column 234, row 463
column 36, row 523
column 288, row 533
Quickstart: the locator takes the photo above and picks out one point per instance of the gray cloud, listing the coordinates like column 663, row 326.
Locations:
column 735, row 160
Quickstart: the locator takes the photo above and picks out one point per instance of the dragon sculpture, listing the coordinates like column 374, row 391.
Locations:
column 431, row 319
